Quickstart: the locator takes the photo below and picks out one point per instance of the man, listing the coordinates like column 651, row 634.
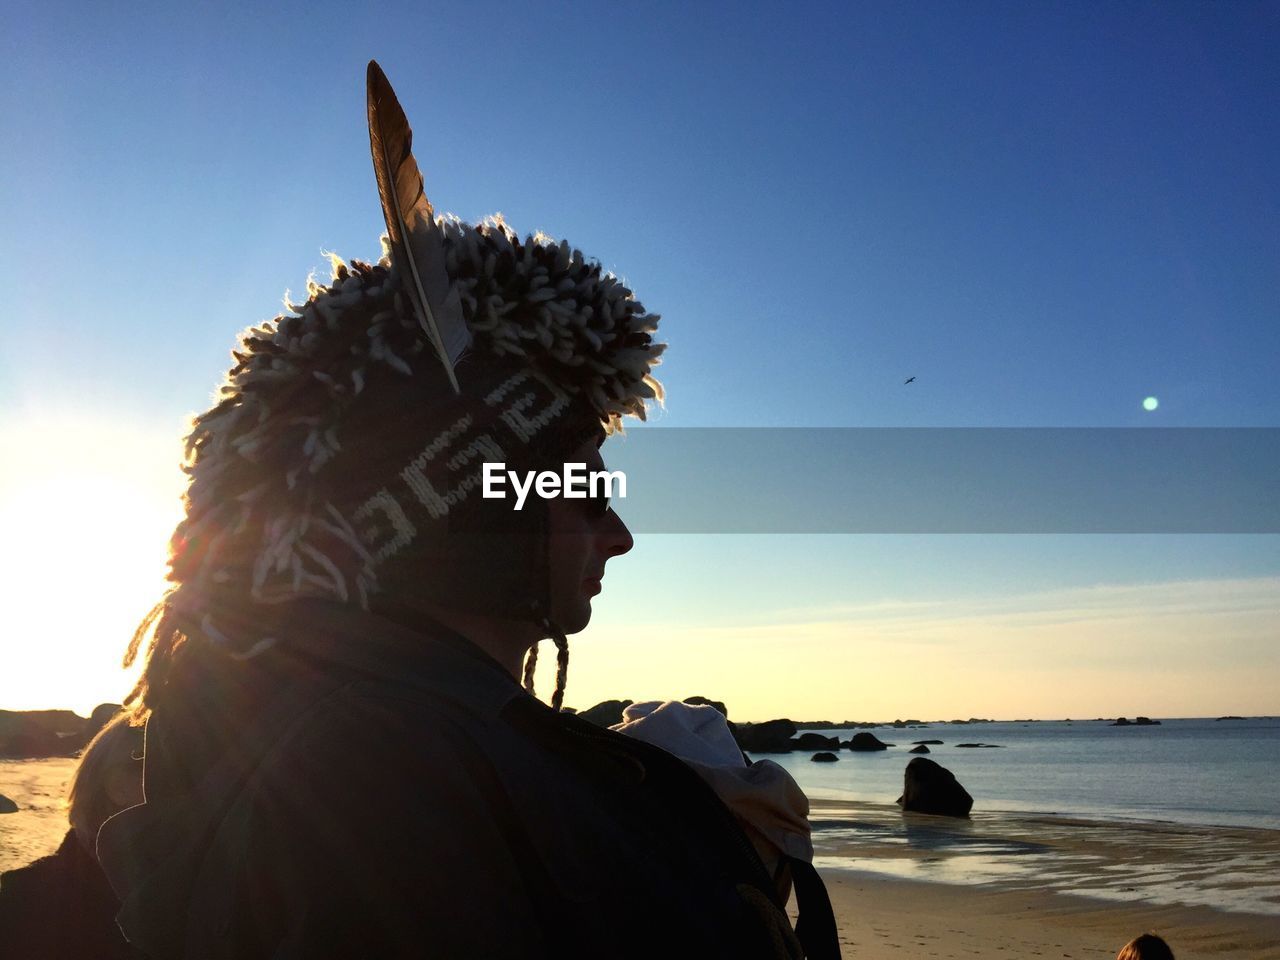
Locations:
column 340, row 761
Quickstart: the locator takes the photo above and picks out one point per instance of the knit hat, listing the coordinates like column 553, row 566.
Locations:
column 343, row 458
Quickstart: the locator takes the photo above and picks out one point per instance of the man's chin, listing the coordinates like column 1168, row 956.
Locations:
column 575, row 620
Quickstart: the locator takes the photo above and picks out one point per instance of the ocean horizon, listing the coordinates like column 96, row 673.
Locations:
column 1191, row 771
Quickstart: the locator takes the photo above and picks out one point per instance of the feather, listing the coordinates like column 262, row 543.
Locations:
column 417, row 243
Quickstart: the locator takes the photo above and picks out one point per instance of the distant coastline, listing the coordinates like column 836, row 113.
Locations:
column 30, row 734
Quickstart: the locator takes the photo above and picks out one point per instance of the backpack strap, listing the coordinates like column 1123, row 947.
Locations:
column 816, row 926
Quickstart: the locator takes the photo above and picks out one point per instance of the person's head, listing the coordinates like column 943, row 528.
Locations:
column 343, row 459
column 108, row 779
column 1146, row 947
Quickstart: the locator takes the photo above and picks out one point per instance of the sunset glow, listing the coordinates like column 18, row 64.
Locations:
column 86, row 514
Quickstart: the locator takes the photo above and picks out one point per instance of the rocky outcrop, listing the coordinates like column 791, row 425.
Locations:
column 982, row 746
column 920, row 749
column 824, row 757
column 929, row 787
column 7, row 805
column 1137, row 722
column 815, row 741
column 607, row 713
column 40, row 733
column 102, row 714
column 930, row 743
column 865, row 742
column 772, row 736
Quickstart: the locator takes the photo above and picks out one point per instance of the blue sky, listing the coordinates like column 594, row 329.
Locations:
column 1044, row 212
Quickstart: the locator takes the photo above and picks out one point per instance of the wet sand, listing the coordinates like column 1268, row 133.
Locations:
column 909, row 886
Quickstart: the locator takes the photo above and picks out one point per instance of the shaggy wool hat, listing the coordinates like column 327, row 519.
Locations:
column 343, row 458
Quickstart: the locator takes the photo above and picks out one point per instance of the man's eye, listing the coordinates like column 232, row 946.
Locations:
column 594, row 504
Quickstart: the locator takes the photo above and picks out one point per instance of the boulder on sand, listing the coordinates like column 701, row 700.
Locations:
column 929, row 787
column 865, row 742
column 7, row 805
column 920, row 749
column 824, row 757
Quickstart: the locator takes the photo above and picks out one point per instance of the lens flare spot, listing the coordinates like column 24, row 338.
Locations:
column 1150, row 404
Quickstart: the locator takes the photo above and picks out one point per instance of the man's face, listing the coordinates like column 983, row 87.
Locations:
column 584, row 535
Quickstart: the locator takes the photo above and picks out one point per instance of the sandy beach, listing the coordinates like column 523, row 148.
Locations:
column 915, row 886
column 1025, row 886
column 39, row 788
column 881, row 918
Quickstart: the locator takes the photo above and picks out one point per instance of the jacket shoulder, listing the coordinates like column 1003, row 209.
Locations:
column 370, row 829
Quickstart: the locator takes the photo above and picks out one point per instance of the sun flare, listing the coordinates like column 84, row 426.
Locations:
column 86, row 510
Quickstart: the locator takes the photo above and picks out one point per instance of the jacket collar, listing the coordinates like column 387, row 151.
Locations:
column 426, row 654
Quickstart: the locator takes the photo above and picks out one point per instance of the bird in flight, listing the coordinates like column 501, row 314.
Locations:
column 908, row 380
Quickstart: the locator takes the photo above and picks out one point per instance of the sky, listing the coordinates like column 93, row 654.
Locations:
column 1045, row 213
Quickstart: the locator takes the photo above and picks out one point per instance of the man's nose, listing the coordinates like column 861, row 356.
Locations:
column 617, row 538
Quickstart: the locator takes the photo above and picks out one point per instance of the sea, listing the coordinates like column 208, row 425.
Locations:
column 1189, row 771
column 1183, row 814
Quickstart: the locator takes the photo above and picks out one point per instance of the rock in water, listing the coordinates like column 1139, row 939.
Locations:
column 866, row 741
column 920, row 749
column 929, row 787
column 824, row 757
column 772, row 736
column 7, row 805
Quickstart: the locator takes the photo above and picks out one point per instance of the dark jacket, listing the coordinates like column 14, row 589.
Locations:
column 397, row 794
